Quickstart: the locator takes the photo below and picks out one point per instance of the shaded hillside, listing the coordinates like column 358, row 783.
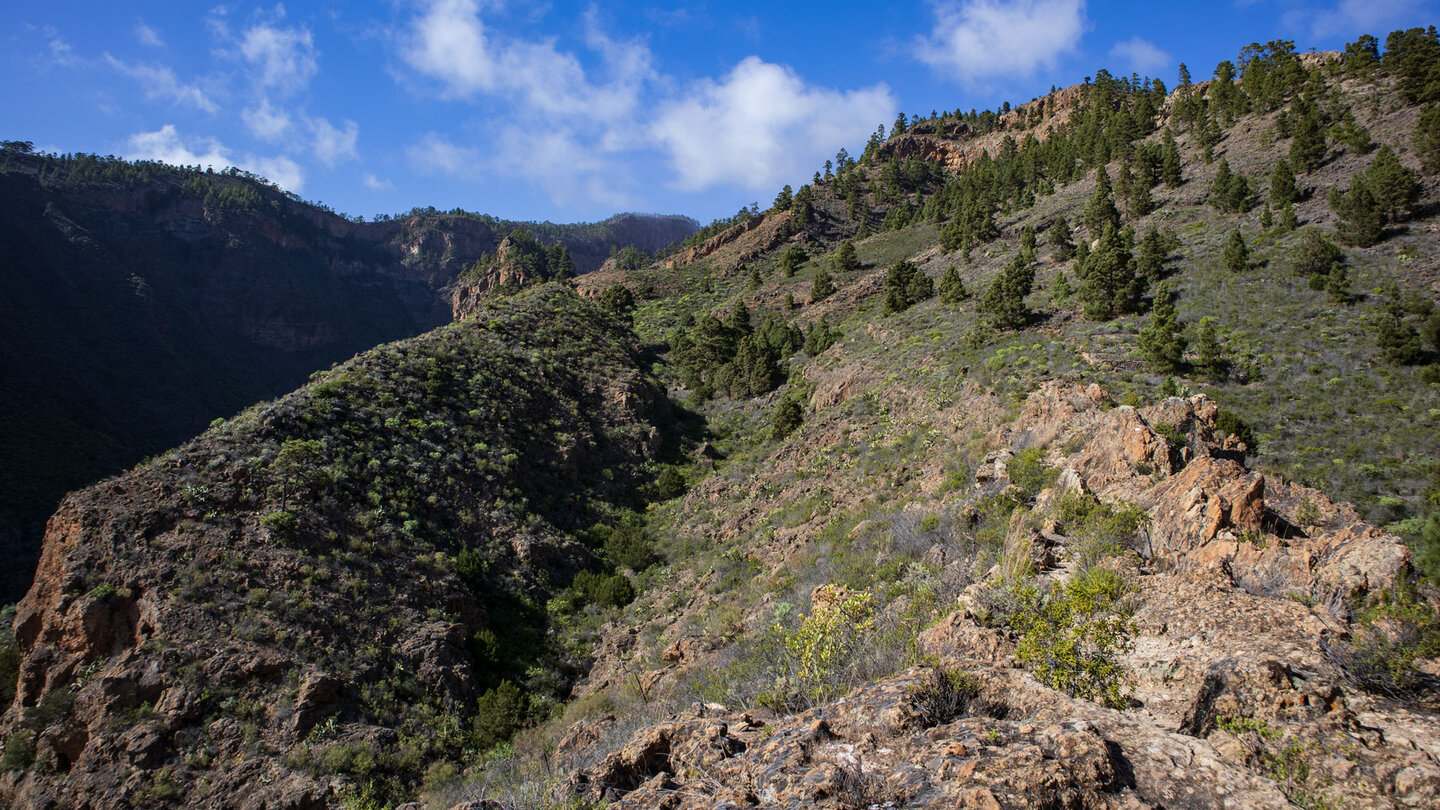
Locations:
column 336, row 576
column 138, row 302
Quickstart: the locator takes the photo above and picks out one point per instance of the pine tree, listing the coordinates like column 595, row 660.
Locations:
column 1314, row 255
column 1282, row 185
column 845, row 259
column 1108, row 285
column 1210, row 359
column 755, row 279
column 1100, row 210
column 1395, row 186
column 1237, row 194
column 1170, row 166
column 1290, row 217
column 905, row 286
column 1237, row 254
column 1426, row 139
column 822, row 287
column 738, row 321
column 1337, row 285
column 1220, row 186
column 1307, row 150
column 791, row 259
column 559, row 262
column 1004, row 301
column 1362, row 220
column 1027, row 242
column 1150, row 263
column 1161, row 340
column 952, row 287
column 1061, row 241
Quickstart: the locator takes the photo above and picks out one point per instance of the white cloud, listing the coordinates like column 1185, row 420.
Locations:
column 376, row 184
column 266, row 122
column 1141, row 56
column 148, row 36
column 284, row 58
column 434, row 154
column 448, row 43
column 167, row 145
column 559, row 162
column 332, row 145
column 161, row 83
column 762, row 126
column 1353, row 17
column 280, row 170
column 977, row 40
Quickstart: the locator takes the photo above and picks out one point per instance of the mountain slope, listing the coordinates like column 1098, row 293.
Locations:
column 142, row 301
column 968, row 523
column 334, row 578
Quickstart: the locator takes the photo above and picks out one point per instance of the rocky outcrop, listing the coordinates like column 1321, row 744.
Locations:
column 1208, row 509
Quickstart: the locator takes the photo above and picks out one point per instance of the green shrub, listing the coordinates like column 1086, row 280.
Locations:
column 1027, row 470
column 605, row 590
column 1072, row 636
column 19, row 752
column 670, row 483
column 788, row 416
column 629, row 546
column 498, row 714
column 354, row 759
column 1399, row 629
column 1232, row 425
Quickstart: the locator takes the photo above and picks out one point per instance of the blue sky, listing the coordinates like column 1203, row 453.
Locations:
column 573, row 111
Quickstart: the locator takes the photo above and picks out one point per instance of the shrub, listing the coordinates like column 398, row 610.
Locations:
column 9, row 658
column 788, row 415
column 629, row 545
column 1394, row 633
column 1231, row 424
column 1073, row 635
column 669, row 484
column 1027, row 470
column 1083, row 516
column 943, row 696
column 498, row 713
column 605, row 590
column 825, row 639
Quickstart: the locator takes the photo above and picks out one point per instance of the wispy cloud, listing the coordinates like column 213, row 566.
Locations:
column 332, row 144
column 266, row 121
column 435, row 154
column 283, row 59
column 762, row 126
column 160, row 82
column 1352, row 17
column 978, row 40
column 376, row 184
column 1141, row 56
column 148, row 36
